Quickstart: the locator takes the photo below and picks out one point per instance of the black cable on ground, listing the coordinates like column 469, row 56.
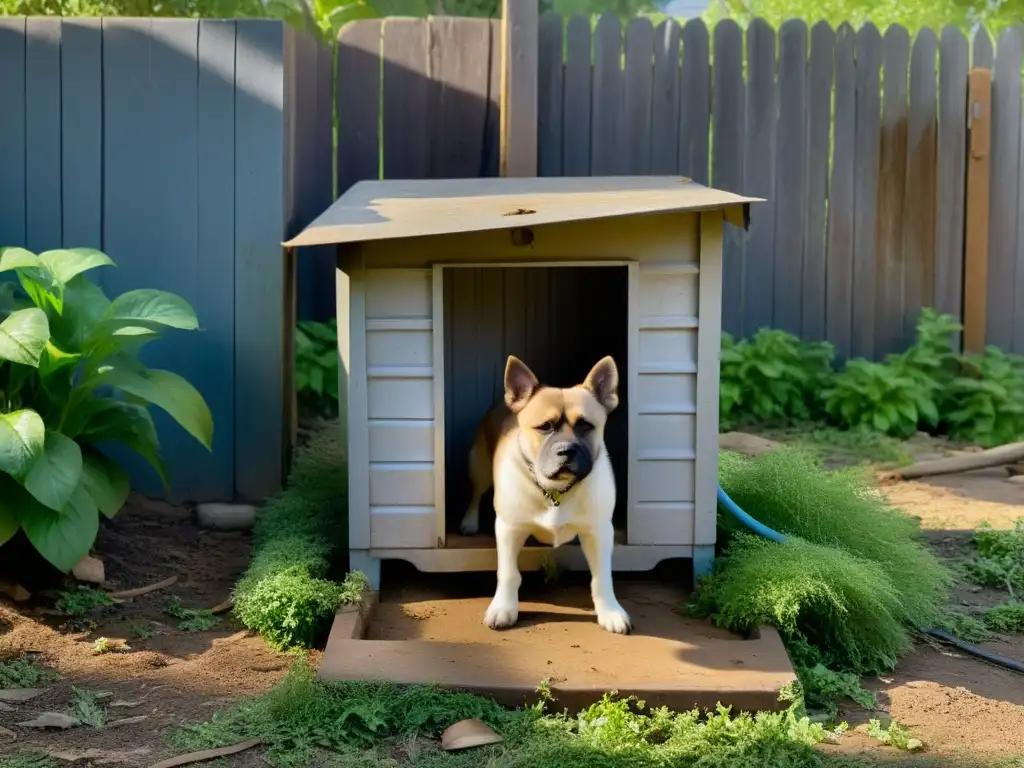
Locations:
column 974, row 650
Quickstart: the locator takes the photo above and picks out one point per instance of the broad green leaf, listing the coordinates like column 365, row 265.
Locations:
column 43, row 288
column 18, row 258
column 57, row 473
column 23, row 336
column 67, row 263
column 105, row 481
column 147, row 307
column 168, row 391
column 22, row 436
column 63, row 537
column 108, row 420
column 84, row 306
column 8, row 521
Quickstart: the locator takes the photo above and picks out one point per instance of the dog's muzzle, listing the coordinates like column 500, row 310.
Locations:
column 567, row 461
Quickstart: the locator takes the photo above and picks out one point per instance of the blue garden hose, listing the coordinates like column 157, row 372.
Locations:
column 764, row 531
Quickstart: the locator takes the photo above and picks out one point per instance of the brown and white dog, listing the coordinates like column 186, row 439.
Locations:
column 543, row 451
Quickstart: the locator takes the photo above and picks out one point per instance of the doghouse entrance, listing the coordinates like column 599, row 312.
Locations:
column 559, row 321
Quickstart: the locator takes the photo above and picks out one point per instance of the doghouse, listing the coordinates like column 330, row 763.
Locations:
column 438, row 281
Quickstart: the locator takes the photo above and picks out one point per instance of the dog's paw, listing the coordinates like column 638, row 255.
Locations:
column 469, row 527
column 501, row 614
column 615, row 620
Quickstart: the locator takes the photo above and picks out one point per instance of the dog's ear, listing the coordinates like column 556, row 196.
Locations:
column 603, row 382
column 520, row 384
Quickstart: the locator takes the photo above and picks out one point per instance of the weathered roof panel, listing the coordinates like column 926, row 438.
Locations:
column 384, row 210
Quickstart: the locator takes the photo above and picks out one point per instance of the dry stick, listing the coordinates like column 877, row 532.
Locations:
column 127, row 593
column 1004, row 454
column 207, row 754
column 224, row 607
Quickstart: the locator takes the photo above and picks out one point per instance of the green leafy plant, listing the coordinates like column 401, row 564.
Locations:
column 1006, row 618
column 999, row 561
column 967, row 628
column 87, row 709
column 316, row 367
column 81, row 601
column 70, row 381
column 190, row 619
column 894, row 734
column 987, row 399
column 771, row 377
column 879, row 396
column 141, row 631
column 24, row 672
column 823, row 689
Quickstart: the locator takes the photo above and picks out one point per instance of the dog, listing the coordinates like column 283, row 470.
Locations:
column 543, row 452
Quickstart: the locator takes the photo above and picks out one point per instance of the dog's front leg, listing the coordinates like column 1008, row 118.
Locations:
column 597, row 548
column 503, row 611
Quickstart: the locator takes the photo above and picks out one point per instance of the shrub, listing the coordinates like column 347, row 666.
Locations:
column 285, row 594
column 1008, row 617
column 987, row 399
column 70, row 380
column 1000, row 558
column 771, row 377
column 316, row 367
column 883, row 397
column 789, row 490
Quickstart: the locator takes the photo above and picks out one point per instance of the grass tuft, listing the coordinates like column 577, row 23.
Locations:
column 381, row 724
column 285, row 594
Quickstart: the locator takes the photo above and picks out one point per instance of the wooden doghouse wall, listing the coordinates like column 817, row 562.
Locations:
column 559, row 321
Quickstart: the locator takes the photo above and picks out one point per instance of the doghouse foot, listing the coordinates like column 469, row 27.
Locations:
column 703, row 557
column 360, row 560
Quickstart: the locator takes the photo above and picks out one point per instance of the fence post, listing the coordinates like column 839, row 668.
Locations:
column 979, row 126
column 519, row 64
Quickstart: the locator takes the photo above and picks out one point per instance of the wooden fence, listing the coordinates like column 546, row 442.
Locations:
column 173, row 146
column 856, row 139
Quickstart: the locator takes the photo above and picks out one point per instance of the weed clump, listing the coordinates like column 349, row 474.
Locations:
column 24, row 672
column 1000, row 559
column 285, row 594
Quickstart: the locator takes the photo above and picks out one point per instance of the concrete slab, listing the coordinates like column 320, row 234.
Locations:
column 429, row 634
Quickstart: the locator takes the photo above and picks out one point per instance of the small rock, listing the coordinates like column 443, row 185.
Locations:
column 7, row 735
column 17, row 695
column 6, row 707
column 913, row 745
column 746, row 444
column 226, row 517
column 125, row 703
column 831, row 737
column 1016, row 479
column 468, row 733
column 89, row 569
column 127, row 721
column 51, row 720
column 16, row 592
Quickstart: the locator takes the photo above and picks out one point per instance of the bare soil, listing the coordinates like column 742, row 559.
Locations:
column 961, row 707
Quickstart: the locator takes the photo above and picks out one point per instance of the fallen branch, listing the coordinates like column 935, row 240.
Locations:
column 207, row 754
column 1004, row 454
column 224, row 607
column 127, row 593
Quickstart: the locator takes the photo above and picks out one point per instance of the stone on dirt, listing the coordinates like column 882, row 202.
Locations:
column 226, row 517
column 746, row 444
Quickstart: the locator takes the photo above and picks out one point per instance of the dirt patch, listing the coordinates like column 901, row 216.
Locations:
column 169, row 676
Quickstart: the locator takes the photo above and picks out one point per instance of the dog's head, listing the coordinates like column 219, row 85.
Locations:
column 561, row 431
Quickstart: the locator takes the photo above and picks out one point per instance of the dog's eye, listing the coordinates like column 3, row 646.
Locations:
column 582, row 426
column 547, row 426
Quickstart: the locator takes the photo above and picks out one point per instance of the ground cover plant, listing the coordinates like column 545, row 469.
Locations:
column 24, row 672
column 286, row 594
column 71, row 381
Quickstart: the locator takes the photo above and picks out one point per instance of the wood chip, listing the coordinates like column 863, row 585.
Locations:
column 207, row 754
column 468, row 733
column 128, row 593
column 51, row 720
column 224, row 607
column 17, row 695
column 127, row 721
column 89, row 569
column 7, row 735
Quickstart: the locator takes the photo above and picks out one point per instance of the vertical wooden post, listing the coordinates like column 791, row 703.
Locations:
column 519, row 55
column 979, row 114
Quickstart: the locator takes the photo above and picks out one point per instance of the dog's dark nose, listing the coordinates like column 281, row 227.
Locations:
column 568, row 450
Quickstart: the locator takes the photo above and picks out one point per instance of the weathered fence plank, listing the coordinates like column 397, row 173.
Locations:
column 638, row 83
column 358, row 95
column 665, row 109
column 1004, row 201
column 790, row 176
column 406, row 93
column 984, row 52
column 727, row 170
column 841, row 206
column 42, row 133
column 576, row 94
column 891, row 194
column 606, row 151
column 459, row 85
column 865, row 212
column 12, row 132
column 759, row 177
column 976, row 210
column 549, row 96
column 81, row 133
column 921, row 191
column 819, row 124
column 1018, row 286
column 695, row 102
column 951, row 159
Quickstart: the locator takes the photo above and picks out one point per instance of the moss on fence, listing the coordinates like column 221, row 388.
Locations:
column 286, row 594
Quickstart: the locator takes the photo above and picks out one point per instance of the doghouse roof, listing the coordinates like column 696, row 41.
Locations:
column 384, row 210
